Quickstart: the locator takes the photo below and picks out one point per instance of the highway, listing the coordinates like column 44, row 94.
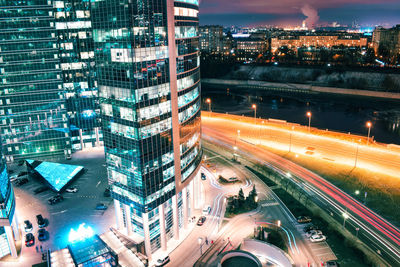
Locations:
column 383, row 237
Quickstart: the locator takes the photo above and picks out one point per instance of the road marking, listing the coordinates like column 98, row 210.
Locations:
column 98, row 183
column 270, row 204
column 59, row 212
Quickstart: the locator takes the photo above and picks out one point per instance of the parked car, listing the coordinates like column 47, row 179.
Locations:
column 101, row 206
column 317, row 238
column 28, row 226
column 23, row 173
column 107, row 192
column 42, row 234
column 203, row 176
column 162, row 261
column 310, row 227
column 206, row 210
column 29, row 240
column 13, row 178
column 303, row 219
column 56, row 199
column 313, row 232
column 21, row 162
column 40, row 190
column 331, row 264
column 21, row 181
column 233, row 179
column 71, row 190
column 40, row 221
column 201, row 220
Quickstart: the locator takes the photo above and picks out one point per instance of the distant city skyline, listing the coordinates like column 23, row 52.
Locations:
column 293, row 12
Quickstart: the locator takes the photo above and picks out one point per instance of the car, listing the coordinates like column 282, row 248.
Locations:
column 21, row 181
column 42, row 234
column 101, row 206
column 317, row 238
column 23, row 173
column 331, row 264
column 203, row 176
column 40, row 190
column 107, row 192
column 201, row 220
column 206, row 210
column 28, row 226
column 71, row 190
column 29, row 240
column 162, row 261
column 13, row 178
column 310, row 227
column 313, row 232
column 56, row 199
column 21, row 162
column 40, row 221
column 303, row 219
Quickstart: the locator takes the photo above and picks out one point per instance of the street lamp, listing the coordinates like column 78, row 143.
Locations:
column 290, row 140
column 345, row 217
column 278, row 223
column 200, row 241
column 254, row 106
column 208, row 101
column 309, row 119
column 237, row 136
column 369, row 124
column 357, row 192
column 234, row 152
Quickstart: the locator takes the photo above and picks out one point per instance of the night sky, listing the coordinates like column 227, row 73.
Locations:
column 293, row 12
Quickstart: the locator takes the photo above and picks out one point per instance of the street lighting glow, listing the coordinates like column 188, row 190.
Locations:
column 308, row 114
column 208, row 100
column 80, row 234
column 235, row 148
column 254, row 106
column 357, row 192
column 288, row 174
column 369, row 124
column 345, row 215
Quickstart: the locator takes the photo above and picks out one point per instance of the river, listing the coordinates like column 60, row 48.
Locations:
column 333, row 112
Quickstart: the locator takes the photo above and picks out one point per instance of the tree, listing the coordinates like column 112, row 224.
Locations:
column 253, row 195
column 241, row 197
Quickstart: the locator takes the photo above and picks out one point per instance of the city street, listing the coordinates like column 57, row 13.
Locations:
column 233, row 230
column 375, row 231
column 76, row 208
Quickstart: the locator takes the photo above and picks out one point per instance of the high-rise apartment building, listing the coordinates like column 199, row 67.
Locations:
column 386, row 44
column 33, row 115
column 76, row 52
column 9, row 231
column 147, row 61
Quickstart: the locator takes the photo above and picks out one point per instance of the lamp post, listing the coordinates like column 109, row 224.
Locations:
column 290, row 140
column 254, row 106
column 200, row 241
column 237, row 136
column 369, row 124
column 234, row 153
column 345, row 217
column 355, row 162
column 309, row 119
column 208, row 101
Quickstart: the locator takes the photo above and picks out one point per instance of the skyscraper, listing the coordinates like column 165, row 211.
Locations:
column 8, row 222
column 32, row 102
column 147, row 64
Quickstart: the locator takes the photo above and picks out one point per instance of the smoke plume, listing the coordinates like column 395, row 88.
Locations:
column 311, row 14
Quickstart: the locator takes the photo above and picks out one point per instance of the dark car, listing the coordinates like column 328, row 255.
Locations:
column 203, row 176
column 28, row 226
column 21, row 162
column 107, row 192
column 101, row 206
column 303, row 219
column 310, row 227
column 40, row 221
column 42, row 235
column 56, row 199
column 29, row 240
column 21, row 181
column 23, row 173
column 40, row 190
column 331, row 264
column 201, row 220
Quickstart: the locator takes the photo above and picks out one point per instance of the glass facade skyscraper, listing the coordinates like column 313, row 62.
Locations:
column 147, row 60
column 32, row 101
column 76, row 52
column 8, row 222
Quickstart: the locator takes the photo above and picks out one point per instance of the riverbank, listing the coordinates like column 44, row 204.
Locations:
column 299, row 88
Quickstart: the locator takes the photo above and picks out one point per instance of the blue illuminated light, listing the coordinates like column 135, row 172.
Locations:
column 88, row 113
column 83, row 232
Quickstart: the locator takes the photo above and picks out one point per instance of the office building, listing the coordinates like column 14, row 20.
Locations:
column 76, row 52
column 9, row 232
column 33, row 114
column 147, row 61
